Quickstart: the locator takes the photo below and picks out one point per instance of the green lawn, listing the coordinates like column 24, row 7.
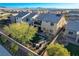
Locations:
column 74, row 49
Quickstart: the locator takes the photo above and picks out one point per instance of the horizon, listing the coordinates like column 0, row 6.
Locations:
column 41, row 5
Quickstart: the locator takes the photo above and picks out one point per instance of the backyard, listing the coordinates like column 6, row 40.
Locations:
column 74, row 49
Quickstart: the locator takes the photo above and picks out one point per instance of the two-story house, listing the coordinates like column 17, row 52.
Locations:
column 48, row 22
column 72, row 31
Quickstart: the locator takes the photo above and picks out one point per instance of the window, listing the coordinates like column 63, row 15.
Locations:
column 78, row 40
column 27, row 19
column 58, row 15
column 52, row 24
column 43, row 28
column 70, row 32
column 46, row 21
column 51, row 30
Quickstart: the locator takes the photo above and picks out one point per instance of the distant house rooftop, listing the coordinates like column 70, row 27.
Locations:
column 21, row 14
column 34, row 17
column 15, row 14
column 73, row 25
column 76, row 11
column 73, row 14
column 31, row 15
column 48, row 17
column 5, row 16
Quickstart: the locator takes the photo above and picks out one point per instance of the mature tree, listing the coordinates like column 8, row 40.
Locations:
column 21, row 31
column 57, row 50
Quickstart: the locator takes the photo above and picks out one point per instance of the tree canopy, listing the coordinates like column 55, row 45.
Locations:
column 21, row 31
column 57, row 50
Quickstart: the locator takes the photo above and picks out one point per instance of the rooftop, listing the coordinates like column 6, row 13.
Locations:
column 73, row 14
column 5, row 16
column 31, row 15
column 48, row 17
column 73, row 25
column 21, row 14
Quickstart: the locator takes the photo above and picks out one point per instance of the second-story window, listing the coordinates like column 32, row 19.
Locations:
column 51, row 31
column 27, row 19
column 70, row 32
column 44, row 29
column 78, row 40
column 52, row 24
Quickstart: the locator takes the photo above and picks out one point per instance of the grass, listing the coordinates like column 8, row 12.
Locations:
column 74, row 49
column 36, row 38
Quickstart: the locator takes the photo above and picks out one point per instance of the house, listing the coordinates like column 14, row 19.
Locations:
column 16, row 17
column 28, row 17
column 72, row 16
column 72, row 31
column 20, row 15
column 13, row 17
column 48, row 22
column 5, row 21
column 5, row 18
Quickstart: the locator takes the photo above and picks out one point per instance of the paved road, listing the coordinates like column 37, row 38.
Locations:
column 3, row 51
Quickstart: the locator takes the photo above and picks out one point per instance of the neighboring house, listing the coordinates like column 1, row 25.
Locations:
column 28, row 18
column 20, row 15
column 72, row 16
column 5, row 21
column 72, row 31
column 49, row 23
column 5, row 18
column 16, row 17
column 13, row 18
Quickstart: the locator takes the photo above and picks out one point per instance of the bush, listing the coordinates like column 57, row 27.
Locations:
column 57, row 50
column 3, row 39
column 14, row 47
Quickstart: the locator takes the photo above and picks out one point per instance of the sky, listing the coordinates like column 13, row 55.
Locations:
column 43, row 5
